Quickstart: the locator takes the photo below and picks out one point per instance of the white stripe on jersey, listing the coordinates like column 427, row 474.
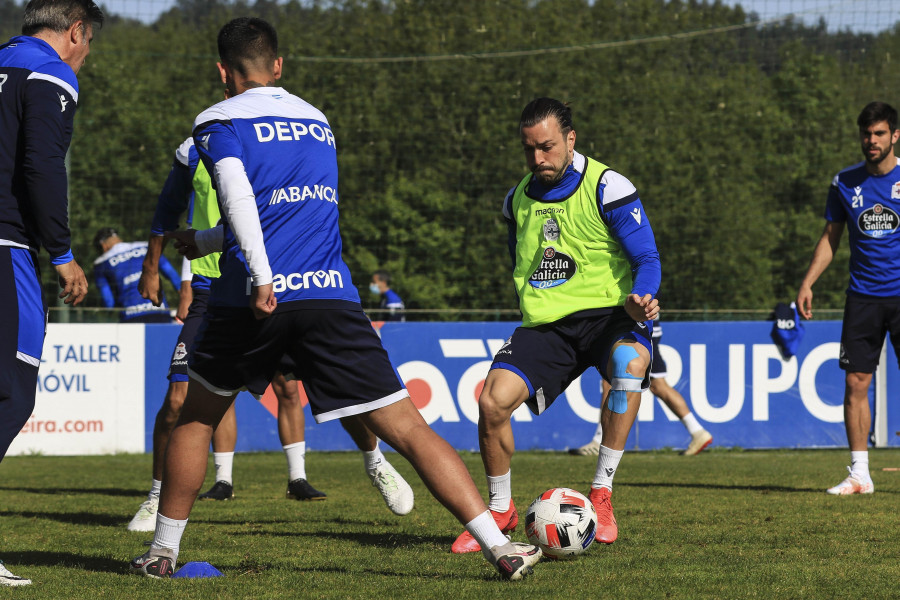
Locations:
column 121, row 248
column 182, row 152
column 13, row 244
column 617, row 187
column 261, row 102
column 60, row 82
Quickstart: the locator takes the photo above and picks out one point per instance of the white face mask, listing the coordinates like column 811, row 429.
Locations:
column 373, row 287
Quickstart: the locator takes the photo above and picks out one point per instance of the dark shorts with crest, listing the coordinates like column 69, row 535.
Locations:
column 335, row 352
column 178, row 367
column 866, row 321
column 550, row 357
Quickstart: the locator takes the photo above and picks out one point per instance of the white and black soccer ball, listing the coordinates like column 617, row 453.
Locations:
column 562, row 522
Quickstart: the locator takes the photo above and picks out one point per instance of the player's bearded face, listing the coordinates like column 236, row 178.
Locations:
column 877, row 141
column 547, row 150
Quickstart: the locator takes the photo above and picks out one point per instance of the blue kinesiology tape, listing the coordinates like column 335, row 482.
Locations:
column 618, row 395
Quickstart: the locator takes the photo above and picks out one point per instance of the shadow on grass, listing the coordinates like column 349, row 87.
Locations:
column 77, row 518
column 376, row 540
column 67, row 559
column 55, row 491
column 751, row 488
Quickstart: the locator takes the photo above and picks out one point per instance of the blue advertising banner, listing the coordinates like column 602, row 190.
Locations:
column 730, row 373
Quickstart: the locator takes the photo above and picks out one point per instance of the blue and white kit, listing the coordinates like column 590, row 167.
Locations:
column 117, row 273
column 38, row 96
column 870, row 206
column 273, row 161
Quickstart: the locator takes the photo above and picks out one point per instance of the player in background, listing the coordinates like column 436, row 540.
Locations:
column 390, row 300
column 117, row 271
column 659, row 387
column 188, row 189
column 38, row 97
column 586, row 271
column 285, row 295
column 865, row 198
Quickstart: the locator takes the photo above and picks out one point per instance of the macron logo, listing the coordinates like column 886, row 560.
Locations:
column 636, row 213
column 63, row 102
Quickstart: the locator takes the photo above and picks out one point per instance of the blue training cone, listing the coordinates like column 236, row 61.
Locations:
column 197, row 569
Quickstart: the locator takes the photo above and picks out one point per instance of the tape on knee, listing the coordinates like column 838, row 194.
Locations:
column 622, row 381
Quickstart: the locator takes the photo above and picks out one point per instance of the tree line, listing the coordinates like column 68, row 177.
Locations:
column 731, row 135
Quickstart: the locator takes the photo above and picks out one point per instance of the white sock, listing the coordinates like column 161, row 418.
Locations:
column 154, row 489
column 296, row 459
column 373, row 459
column 500, row 492
column 690, row 422
column 485, row 531
column 859, row 465
column 607, row 463
column 223, row 462
column 168, row 533
column 598, row 433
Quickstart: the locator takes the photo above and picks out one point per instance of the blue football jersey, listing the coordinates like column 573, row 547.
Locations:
column 870, row 207
column 288, row 152
column 117, row 273
column 38, row 96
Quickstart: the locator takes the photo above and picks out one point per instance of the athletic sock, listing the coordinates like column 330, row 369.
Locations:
column 223, row 461
column 500, row 492
column 607, row 463
column 168, row 533
column 859, row 466
column 373, row 459
column 690, row 422
column 296, row 460
column 487, row 534
column 598, row 434
column 154, row 489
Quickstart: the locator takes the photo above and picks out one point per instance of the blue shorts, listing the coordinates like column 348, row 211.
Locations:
column 550, row 357
column 335, row 352
column 178, row 366
column 24, row 324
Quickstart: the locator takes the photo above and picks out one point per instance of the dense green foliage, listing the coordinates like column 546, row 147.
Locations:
column 724, row 524
column 731, row 134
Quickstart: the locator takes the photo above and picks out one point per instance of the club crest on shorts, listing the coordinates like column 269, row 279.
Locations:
column 180, row 351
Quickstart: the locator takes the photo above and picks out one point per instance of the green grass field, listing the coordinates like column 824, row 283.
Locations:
column 725, row 524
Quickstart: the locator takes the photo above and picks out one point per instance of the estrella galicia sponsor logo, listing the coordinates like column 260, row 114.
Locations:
column 878, row 221
column 309, row 280
column 555, row 269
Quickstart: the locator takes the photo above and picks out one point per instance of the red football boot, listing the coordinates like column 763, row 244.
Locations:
column 506, row 521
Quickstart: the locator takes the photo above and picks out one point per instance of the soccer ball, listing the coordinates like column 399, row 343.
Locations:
column 562, row 522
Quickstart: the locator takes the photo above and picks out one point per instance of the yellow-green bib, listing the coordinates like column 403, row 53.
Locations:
column 567, row 260
column 206, row 216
